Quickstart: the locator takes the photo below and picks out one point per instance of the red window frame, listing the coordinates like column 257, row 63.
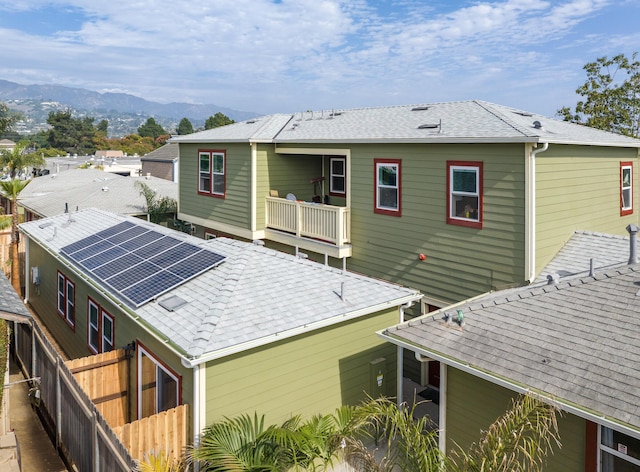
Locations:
column 458, row 220
column 102, row 314
column 210, row 192
column 376, row 207
column 626, row 210
column 66, row 309
column 141, row 350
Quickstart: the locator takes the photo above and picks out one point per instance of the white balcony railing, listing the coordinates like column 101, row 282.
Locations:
column 327, row 223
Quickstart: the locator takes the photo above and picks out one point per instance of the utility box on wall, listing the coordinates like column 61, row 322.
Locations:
column 378, row 378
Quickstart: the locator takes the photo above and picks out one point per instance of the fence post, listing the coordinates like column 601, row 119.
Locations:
column 94, row 441
column 58, row 414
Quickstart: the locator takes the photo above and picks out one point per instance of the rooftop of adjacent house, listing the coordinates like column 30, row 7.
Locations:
column 472, row 121
column 11, row 305
column 90, row 188
column 167, row 153
column 576, row 341
column 248, row 296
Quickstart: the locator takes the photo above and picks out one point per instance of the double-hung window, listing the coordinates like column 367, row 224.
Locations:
column 618, row 451
column 626, row 188
column 212, row 173
column 67, row 299
column 338, row 182
column 464, row 193
column 100, row 328
column 158, row 386
column 387, row 187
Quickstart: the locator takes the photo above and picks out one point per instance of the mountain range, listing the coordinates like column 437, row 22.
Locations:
column 124, row 112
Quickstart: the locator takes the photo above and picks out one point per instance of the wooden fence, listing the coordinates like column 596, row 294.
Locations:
column 82, row 435
column 104, row 377
column 166, row 431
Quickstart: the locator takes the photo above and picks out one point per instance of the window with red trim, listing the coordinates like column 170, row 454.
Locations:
column 388, row 188
column 67, row 299
column 212, row 173
column 464, row 193
column 626, row 188
column 159, row 387
column 100, row 327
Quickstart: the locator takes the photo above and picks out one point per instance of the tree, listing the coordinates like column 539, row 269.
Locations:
column 157, row 207
column 151, row 129
column 74, row 135
column 611, row 96
column 217, row 120
column 103, row 127
column 184, row 127
column 11, row 189
column 17, row 159
column 518, row 441
column 7, row 118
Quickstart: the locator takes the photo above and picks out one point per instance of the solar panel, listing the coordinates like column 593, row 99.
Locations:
column 138, row 263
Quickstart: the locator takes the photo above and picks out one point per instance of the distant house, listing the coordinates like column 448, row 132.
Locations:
column 455, row 199
column 75, row 189
column 226, row 326
column 162, row 163
column 109, row 154
column 572, row 338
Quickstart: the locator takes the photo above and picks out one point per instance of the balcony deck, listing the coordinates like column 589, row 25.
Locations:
column 308, row 223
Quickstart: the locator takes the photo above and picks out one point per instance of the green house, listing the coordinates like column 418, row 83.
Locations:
column 454, row 199
column 572, row 339
column 226, row 326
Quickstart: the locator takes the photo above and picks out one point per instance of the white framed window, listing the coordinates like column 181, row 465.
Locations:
column 626, row 188
column 158, row 386
column 387, row 187
column 211, row 173
column 67, row 299
column 338, row 176
column 464, row 193
column 100, row 328
column 618, row 452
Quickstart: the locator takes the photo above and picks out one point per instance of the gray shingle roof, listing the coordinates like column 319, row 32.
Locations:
column 10, row 301
column 255, row 296
column 577, row 341
column 90, row 188
column 471, row 121
column 169, row 152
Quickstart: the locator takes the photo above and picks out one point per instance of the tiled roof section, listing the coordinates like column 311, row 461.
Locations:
column 470, row 121
column 168, row 152
column 606, row 250
column 10, row 301
column 577, row 341
column 255, row 294
column 89, row 188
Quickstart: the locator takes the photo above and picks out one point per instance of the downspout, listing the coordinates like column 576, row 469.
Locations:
column 27, row 277
column 196, row 409
column 254, row 185
column 530, row 208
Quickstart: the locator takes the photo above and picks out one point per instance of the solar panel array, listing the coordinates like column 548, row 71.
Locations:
column 139, row 263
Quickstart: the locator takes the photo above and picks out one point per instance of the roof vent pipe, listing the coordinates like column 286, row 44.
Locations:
column 552, row 279
column 591, row 270
column 633, row 231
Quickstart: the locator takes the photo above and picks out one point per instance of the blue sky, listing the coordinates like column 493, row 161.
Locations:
column 270, row 56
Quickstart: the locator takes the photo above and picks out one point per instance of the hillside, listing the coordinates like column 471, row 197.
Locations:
column 124, row 112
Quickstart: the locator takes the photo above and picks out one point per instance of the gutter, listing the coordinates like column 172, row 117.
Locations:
column 530, row 212
column 510, row 385
column 259, row 342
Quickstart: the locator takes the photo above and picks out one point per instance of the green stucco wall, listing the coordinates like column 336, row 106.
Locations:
column 309, row 374
column 473, row 404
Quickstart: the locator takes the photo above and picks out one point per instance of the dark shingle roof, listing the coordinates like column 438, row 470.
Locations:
column 10, row 301
column 577, row 341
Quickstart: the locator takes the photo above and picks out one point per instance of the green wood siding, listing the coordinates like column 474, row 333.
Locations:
column 473, row 404
column 461, row 262
column 235, row 208
column 578, row 188
column 43, row 300
column 309, row 374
